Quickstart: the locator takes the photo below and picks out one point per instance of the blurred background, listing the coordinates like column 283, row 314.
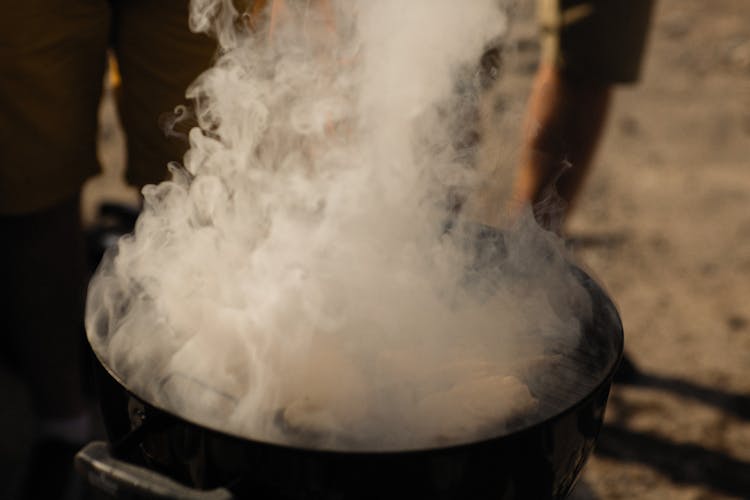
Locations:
column 663, row 223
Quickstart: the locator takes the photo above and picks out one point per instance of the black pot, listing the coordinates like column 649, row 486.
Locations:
column 154, row 453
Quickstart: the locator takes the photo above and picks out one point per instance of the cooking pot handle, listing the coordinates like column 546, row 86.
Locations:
column 120, row 479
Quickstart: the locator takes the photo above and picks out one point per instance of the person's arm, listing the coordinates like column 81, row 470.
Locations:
column 564, row 122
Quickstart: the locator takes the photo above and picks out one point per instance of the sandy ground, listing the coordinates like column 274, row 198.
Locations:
column 664, row 224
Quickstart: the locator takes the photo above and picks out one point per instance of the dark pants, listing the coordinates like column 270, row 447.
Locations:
column 43, row 276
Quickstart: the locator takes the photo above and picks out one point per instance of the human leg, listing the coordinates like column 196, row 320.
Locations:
column 52, row 59
column 564, row 122
column 588, row 46
column 42, row 257
column 52, row 62
column 43, row 283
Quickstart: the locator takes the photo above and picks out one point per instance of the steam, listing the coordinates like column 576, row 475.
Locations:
column 295, row 281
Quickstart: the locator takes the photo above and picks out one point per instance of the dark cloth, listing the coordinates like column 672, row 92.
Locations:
column 600, row 41
column 42, row 286
column 52, row 61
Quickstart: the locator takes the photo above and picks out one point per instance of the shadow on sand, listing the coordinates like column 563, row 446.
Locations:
column 681, row 462
column 728, row 402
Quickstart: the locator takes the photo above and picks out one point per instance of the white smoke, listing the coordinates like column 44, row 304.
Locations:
column 295, row 281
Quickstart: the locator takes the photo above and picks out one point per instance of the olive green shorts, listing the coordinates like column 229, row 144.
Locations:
column 52, row 63
column 595, row 40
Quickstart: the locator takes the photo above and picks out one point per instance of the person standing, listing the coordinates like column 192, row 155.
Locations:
column 52, row 64
column 588, row 48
